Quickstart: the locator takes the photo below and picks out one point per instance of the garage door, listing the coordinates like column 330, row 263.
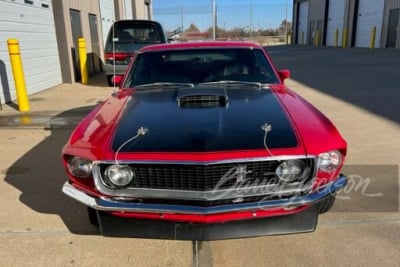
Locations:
column 335, row 22
column 128, row 10
column 302, row 23
column 32, row 23
column 107, row 16
column 370, row 14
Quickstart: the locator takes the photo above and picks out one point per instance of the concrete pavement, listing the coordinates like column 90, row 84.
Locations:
column 41, row 226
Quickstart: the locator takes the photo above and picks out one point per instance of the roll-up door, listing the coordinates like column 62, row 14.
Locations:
column 370, row 14
column 335, row 22
column 128, row 9
column 107, row 17
column 32, row 23
column 302, row 23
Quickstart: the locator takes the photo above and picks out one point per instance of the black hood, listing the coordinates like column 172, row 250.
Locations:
column 233, row 122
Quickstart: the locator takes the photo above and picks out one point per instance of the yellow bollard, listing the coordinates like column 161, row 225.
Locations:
column 316, row 35
column 83, row 60
column 373, row 36
column 25, row 119
column 344, row 38
column 336, row 37
column 18, row 72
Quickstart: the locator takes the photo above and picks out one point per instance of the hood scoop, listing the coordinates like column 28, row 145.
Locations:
column 202, row 98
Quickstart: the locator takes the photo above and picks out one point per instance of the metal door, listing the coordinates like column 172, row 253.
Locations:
column 311, row 35
column 76, row 27
column 393, row 28
column 94, row 37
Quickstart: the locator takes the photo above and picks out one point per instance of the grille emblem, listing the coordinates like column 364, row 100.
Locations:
column 241, row 173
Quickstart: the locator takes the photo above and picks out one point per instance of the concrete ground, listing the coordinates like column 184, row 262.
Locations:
column 358, row 89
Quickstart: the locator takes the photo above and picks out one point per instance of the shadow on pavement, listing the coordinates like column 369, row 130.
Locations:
column 366, row 78
column 98, row 79
column 39, row 175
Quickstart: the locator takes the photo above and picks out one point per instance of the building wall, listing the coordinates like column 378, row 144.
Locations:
column 390, row 5
column 32, row 24
column 48, row 38
column 142, row 9
column 359, row 17
column 68, row 42
column 106, row 12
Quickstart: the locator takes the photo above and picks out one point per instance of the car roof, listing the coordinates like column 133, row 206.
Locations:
column 203, row 44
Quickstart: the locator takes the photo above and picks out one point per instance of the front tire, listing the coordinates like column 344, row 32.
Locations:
column 326, row 204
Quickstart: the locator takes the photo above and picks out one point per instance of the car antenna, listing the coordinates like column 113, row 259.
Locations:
column 113, row 48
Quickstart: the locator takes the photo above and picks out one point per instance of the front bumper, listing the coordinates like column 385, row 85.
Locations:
column 110, row 225
column 107, row 204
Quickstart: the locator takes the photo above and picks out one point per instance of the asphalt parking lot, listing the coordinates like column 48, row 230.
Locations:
column 358, row 89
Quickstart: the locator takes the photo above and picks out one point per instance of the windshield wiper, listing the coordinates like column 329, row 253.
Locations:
column 226, row 83
column 158, row 85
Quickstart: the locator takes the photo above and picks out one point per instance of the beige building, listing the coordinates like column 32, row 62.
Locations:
column 347, row 23
column 92, row 20
column 47, row 31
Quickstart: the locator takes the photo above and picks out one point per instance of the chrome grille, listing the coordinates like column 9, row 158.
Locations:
column 207, row 177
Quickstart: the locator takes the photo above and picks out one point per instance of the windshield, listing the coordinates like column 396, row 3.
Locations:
column 196, row 66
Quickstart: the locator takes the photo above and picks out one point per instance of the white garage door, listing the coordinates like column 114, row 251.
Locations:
column 32, row 23
column 335, row 22
column 303, row 23
column 107, row 17
column 370, row 14
column 128, row 9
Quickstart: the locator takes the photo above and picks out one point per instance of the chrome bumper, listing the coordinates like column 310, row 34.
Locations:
column 107, row 204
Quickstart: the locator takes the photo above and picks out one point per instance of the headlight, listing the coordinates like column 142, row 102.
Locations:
column 120, row 175
column 290, row 170
column 329, row 161
column 79, row 167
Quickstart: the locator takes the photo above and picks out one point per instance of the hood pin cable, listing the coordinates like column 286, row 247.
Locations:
column 266, row 128
column 141, row 131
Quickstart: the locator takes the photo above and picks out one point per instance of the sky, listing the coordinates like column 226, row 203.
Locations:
column 254, row 14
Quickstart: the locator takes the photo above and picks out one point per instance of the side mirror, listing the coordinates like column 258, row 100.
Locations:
column 284, row 74
column 116, row 80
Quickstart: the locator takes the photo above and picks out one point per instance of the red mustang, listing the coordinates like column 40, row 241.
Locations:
column 203, row 141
